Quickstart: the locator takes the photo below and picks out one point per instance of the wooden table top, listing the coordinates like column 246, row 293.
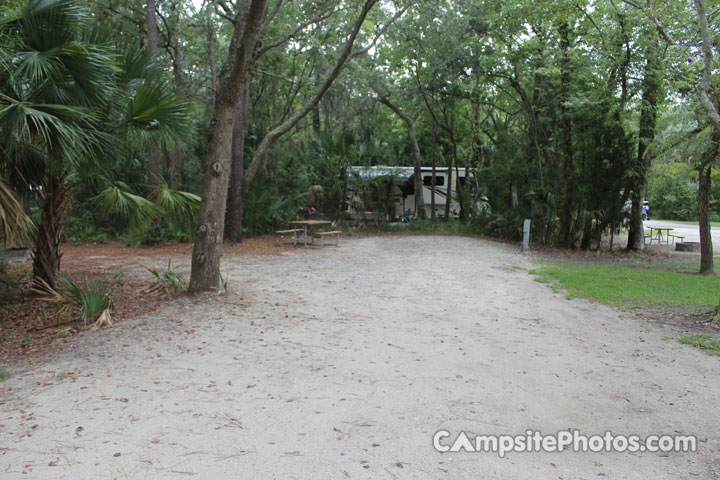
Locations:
column 310, row 222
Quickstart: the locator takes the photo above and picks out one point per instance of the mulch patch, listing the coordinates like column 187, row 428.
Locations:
column 28, row 325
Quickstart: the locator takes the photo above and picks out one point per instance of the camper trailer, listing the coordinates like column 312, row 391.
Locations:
column 400, row 192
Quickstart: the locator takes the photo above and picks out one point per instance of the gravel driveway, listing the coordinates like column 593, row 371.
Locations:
column 344, row 362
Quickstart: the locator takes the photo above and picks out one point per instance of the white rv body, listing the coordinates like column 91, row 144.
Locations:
column 403, row 194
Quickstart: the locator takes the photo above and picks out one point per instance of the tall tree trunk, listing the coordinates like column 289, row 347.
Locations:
column 449, row 184
column 651, row 87
column 566, row 212
column 236, row 179
column 46, row 256
column 211, row 53
column 175, row 154
column 176, row 166
column 587, row 230
column 706, row 246
column 432, row 180
column 234, row 78
column 153, row 163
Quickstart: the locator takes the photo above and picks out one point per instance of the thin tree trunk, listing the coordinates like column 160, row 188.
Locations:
column 236, row 179
column 432, row 181
column 449, row 188
column 46, row 256
column 706, row 246
column 175, row 157
column 566, row 212
column 176, row 166
column 211, row 53
column 234, row 78
column 587, row 231
column 651, row 86
column 153, row 164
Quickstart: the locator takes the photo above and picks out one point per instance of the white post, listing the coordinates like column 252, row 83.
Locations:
column 526, row 234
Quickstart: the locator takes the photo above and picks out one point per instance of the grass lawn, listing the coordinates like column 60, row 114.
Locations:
column 638, row 285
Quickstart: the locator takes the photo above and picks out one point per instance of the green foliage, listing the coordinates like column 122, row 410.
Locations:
column 632, row 285
column 168, row 280
column 703, row 341
column 4, row 373
column 672, row 192
column 90, row 299
column 168, row 215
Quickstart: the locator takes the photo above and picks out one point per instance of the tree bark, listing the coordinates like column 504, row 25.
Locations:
column 651, row 87
column 706, row 246
column 434, row 173
column 234, row 77
column 448, row 191
column 566, row 212
column 153, row 164
column 211, row 53
column 711, row 109
column 175, row 157
column 46, row 256
column 236, row 180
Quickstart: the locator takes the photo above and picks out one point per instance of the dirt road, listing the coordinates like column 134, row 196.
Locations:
column 344, row 362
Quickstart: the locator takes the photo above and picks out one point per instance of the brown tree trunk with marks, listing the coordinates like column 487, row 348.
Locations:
column 449, row 179
column 566, row 127
column 153, row 163
column 46, row 256
column 704, row 186
column 434, row 174
column 234, row 78
column 235, row 203
column 651, row 87
column 175, row 153
column 211, row 53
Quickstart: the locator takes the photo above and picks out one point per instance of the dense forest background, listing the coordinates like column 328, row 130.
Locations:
column 569, row 112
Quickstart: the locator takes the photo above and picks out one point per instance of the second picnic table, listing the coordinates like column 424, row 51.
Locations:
column 309, row 230
column 659, row 235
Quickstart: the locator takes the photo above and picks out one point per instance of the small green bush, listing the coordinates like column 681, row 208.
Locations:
column 90, row 299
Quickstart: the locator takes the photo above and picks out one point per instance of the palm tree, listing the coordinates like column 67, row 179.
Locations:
column 61, row 92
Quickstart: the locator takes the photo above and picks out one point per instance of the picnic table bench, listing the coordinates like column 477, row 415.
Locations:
column 307, row 234
column 281, row 234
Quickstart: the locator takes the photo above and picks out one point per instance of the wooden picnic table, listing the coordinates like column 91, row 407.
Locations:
column 658, row 237
column 310, row 231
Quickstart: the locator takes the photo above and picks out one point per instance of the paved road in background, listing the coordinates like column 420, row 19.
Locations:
column 690, row 232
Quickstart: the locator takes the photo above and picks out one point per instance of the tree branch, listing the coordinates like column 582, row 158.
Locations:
column 280, row 130
column 704, row 85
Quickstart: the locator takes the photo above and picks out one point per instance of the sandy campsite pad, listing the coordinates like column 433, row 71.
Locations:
column 343, row 362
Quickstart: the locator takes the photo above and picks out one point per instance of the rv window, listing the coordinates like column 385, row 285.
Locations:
column 439, row 180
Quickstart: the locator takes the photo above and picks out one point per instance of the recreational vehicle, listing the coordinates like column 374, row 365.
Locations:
column 399, row 193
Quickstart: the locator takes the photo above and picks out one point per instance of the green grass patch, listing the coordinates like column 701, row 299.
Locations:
column 703, row 341
column 630, row 285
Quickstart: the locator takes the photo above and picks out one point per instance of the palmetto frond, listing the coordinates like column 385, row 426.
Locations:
column 182, row 206
column 118, row 201
column 14, row 222
column 155, row 111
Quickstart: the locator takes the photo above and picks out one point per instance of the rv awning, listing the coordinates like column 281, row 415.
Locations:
column 366, row 173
